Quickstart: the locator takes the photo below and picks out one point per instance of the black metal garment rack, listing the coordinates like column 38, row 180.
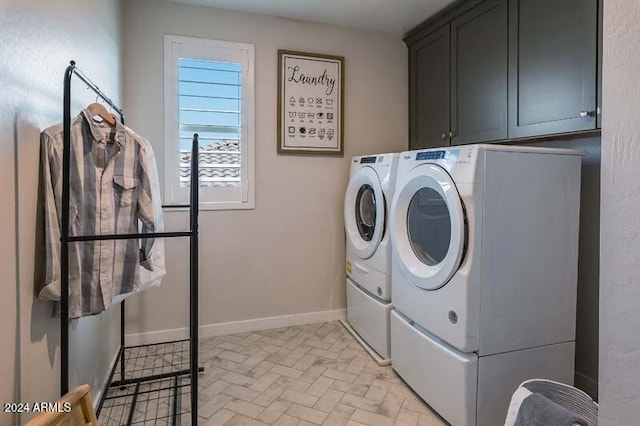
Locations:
column 175, row 376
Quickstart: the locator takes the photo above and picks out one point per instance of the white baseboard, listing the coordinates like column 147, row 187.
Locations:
column 587, row 384
column 212, row 330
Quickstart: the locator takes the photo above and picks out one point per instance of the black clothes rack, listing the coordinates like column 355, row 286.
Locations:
column 185, row 351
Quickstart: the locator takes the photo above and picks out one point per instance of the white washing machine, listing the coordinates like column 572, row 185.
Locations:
column 484, row 273
column 366, row 209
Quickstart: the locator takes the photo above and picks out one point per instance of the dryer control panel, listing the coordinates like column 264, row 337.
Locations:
column 368, row 160
column 461, row 162
column 449, row 155
column 431, row 155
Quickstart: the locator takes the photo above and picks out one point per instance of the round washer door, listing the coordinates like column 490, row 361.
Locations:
column 364, row 213
column 427, row 227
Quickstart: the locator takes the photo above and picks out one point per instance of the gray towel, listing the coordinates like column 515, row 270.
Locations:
column 536, row 410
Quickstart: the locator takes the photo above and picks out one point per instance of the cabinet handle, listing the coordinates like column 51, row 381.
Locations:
column 451, row 134
column 587, row 113
column 444, row 136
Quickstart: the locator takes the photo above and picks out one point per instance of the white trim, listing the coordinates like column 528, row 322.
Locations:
column 219, row 198
column 377, row 358
column 222, row 329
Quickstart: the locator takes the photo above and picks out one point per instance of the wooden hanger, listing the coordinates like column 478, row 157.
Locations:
column 99, row 110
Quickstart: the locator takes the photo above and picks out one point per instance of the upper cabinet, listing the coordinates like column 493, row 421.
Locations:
column 458, row 80
column 552, row 66
column 599, row 91
column 429, row 85
column 479, row 74
column 492, row 70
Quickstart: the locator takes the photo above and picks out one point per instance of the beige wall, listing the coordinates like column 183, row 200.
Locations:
column 39, row 37
column 287, row 255
column 619, row 393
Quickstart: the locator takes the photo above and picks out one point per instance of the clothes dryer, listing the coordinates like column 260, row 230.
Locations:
column 366, row 209
column 484, row 273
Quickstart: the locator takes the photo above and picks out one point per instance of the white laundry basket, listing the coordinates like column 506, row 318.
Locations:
column 569, row 397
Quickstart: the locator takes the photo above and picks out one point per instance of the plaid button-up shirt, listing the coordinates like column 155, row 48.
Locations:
column 113, row 185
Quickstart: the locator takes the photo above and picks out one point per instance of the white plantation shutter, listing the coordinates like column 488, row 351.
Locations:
column 209, row 91
column 210, row 104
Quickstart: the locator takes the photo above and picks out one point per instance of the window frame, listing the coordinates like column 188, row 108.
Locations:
column 211, row 198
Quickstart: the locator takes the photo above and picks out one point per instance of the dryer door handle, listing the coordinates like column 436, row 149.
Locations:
column 362, row 268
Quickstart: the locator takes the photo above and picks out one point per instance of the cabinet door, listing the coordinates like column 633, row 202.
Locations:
column 552, row 66
column 479, row 74
column 599, row 70
column 429, row 91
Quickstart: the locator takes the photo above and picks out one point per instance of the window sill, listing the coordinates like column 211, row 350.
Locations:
column 204, row 206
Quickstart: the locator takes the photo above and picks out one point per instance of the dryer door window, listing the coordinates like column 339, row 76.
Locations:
column 429, row 226
column 366, row 212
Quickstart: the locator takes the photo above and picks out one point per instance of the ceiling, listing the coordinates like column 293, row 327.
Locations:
column 392, row 16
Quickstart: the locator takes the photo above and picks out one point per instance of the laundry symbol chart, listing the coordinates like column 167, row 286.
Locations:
column 311, row 118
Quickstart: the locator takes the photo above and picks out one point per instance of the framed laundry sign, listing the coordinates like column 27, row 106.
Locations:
column 310, row 103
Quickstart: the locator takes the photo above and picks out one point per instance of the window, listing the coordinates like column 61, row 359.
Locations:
column 209, row 91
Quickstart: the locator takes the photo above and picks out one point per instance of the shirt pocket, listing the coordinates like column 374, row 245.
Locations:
column 124, row 190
